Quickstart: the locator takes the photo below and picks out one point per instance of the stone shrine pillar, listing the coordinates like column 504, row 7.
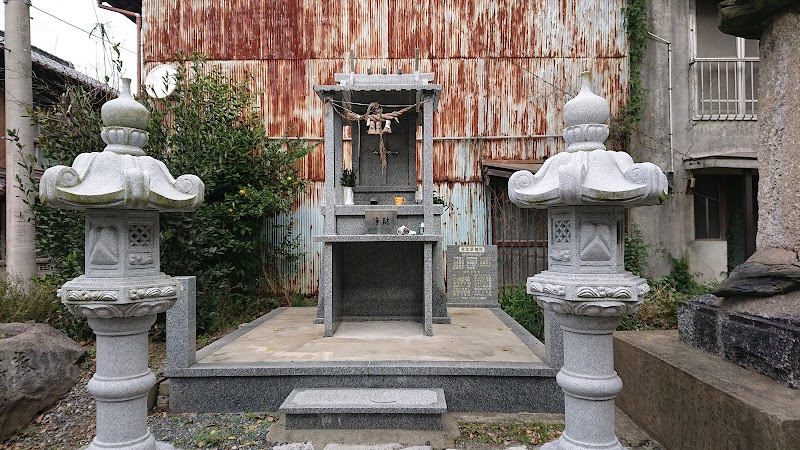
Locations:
column 122, row 290
column 586, row 190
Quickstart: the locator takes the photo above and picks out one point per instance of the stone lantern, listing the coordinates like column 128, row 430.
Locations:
column 122, row 191
column 586, row 190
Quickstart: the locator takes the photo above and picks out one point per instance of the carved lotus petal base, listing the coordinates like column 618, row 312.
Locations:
column 589, row 308
column 97, row 297
column 95, row 310
column 601, row 295
column 124, row 140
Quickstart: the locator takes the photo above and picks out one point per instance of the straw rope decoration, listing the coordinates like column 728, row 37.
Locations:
column 380, row 119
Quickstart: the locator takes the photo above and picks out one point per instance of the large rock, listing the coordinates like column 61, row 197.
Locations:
column 748, row 18
column 37, row 365
column 768, row 272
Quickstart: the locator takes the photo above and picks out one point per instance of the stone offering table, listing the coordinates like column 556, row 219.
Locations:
column 381, row 276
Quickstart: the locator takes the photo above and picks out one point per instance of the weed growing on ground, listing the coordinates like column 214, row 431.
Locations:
column 508, row 433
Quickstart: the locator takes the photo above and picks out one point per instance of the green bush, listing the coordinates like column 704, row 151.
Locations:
column 208, row 128
column 660, row 308
column 521, row 306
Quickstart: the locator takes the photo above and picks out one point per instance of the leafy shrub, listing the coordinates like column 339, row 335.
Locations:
column 348, row 178
column 635, row 250
column 522, row 307
column 208, row 128
column 660, row 308
column 683, row 281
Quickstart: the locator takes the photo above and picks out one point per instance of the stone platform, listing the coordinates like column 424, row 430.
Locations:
column 687, row 398
column 483, row 360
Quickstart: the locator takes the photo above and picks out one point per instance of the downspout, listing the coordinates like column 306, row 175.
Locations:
column 138, row 18
column 669, row 67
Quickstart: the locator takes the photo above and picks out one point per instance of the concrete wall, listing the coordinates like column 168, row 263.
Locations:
column 669, row 229
column 708, row 259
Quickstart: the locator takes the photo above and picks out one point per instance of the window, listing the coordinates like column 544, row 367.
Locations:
column 725, row 69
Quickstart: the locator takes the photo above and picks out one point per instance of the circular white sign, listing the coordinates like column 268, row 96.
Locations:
column 161, row 81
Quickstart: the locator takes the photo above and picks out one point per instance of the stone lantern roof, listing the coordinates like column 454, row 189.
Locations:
column 121, row 176
column 122, row 191
column 586, row 173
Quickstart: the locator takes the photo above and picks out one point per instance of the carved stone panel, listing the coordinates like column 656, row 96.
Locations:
column 142, row 240
column 596, row 244
column 562, row 231
column 104, row 246
column 563, row 237
column 600, row 249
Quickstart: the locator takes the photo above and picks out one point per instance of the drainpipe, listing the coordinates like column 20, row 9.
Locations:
column 669, row 67
column 138, row 18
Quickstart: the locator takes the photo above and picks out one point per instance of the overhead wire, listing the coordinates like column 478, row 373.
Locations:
column 91, row 35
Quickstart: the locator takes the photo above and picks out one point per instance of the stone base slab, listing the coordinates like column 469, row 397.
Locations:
column 686, row 398
column 366, row 408
column 328, row 421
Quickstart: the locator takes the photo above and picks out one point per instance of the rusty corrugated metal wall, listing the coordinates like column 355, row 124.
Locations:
column 506, row 68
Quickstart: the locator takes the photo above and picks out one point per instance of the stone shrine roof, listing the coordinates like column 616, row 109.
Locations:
column 411, row 84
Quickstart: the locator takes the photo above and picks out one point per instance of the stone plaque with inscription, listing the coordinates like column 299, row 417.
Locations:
column 472, row 276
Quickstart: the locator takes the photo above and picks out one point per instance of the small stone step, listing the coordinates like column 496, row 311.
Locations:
column 364, row 408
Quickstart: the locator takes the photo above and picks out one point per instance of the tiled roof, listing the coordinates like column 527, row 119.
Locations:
column 60, row 66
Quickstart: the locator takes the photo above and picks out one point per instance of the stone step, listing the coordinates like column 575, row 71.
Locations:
column 364, row 408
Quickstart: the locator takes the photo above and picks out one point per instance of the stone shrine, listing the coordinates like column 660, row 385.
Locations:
column 586, row 190
column 122, row 191
column 382, row 257
column 382, row 348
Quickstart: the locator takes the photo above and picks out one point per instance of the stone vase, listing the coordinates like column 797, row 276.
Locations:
column 347, row 192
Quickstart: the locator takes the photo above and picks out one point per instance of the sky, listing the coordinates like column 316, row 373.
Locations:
column 64, row 29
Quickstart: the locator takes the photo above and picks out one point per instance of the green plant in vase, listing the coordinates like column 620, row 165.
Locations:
column 348, row 180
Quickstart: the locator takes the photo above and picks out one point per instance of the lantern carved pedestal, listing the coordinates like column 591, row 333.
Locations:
column 586, row 190
column 122, row 290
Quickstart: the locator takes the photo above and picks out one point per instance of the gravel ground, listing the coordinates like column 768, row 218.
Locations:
column 70, row 424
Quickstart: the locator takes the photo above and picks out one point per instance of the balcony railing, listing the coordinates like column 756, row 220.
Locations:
column 725, row 88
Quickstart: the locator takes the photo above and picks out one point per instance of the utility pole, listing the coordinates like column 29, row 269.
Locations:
column 20, row 237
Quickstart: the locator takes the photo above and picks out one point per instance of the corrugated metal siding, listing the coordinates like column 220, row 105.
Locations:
column 506, row 68
column 306, row 29
column 480, row 98
column 307, row 221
